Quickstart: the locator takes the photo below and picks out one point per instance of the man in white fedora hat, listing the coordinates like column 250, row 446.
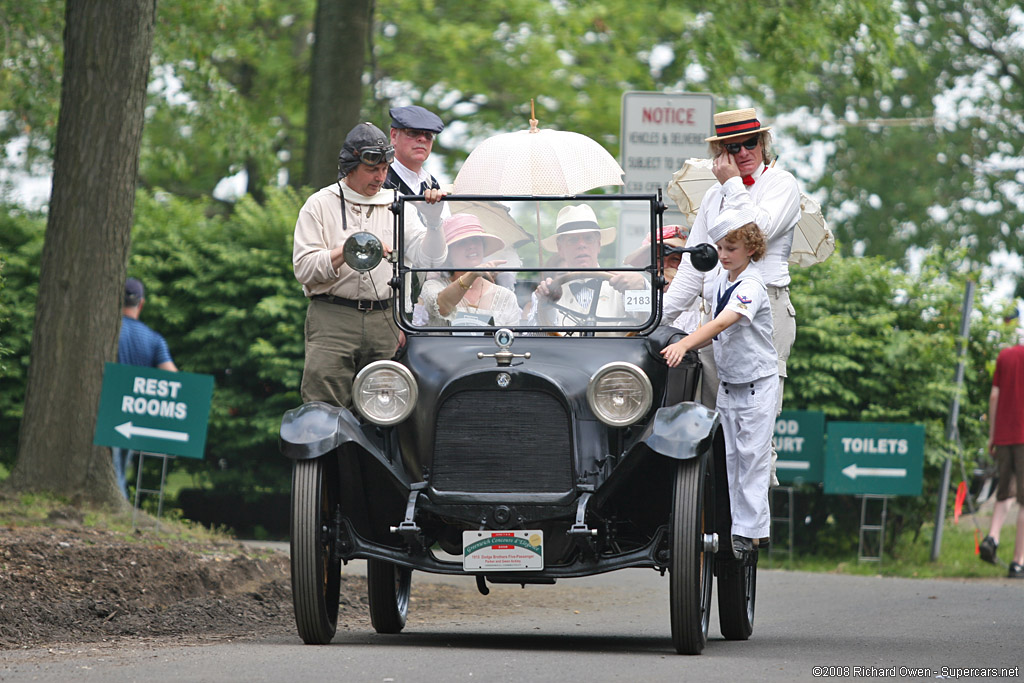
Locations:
column 578, row 240
column 742, row 153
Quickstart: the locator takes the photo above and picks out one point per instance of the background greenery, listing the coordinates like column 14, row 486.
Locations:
column 905, row 119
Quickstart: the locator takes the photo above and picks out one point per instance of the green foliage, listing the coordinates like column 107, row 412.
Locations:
column 228, row 93
column 222, row 292
column 21, row 245
column 876, row 345
column 32, row 51
column 933, row 157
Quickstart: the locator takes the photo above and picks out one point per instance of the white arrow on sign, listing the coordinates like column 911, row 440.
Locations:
column 128, row 430
column 852, row 471
column 792, row 465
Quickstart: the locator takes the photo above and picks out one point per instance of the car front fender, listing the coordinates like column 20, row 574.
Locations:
column 683, row 431
column 317, row 428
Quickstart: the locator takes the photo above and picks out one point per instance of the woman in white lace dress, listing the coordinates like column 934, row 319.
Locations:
column 469, row 298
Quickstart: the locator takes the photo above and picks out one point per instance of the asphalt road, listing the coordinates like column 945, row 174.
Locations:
column 614, row 628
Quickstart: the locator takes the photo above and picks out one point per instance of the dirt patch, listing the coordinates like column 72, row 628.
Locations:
column 66, row 584
column 60, row 585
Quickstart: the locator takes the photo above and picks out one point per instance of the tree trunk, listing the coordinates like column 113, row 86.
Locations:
column 335, row 91
column 107, row 48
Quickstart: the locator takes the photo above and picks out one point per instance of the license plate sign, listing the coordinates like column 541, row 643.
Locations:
column 506, row 551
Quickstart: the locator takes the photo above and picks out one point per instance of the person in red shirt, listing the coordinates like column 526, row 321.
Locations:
column 1006, row 444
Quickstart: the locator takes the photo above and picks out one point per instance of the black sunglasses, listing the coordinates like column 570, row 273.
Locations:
column 734, row 147
column 415, row 133
column 375, row 155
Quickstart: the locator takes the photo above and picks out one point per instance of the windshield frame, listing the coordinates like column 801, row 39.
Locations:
column 655, row 209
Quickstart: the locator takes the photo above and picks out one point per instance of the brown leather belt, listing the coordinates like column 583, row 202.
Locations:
column 363, row 305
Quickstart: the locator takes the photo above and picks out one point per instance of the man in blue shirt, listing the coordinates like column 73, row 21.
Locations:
column 138, row 345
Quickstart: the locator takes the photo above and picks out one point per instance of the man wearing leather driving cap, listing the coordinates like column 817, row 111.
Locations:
column 348, row 323
column 741, row 149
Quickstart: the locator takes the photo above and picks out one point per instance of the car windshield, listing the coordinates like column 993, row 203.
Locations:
column 531, row 264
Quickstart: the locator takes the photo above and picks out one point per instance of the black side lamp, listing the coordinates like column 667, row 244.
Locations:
column 363, row 251
column 704, row 257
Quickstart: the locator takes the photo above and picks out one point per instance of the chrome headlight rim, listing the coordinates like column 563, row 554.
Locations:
column 373, row 368
column 647, row 393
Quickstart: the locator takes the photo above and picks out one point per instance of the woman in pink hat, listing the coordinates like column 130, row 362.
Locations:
column 469, row 298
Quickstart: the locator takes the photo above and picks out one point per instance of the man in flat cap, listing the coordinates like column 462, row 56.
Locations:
column 742, row 152
column 413, row 130
column 348, row 325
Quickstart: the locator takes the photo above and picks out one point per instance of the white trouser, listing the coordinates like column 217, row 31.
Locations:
column 748, row 418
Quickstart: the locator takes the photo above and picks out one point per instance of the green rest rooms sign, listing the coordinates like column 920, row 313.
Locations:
column 880, row 458
column 153, row 410
column 800, row 443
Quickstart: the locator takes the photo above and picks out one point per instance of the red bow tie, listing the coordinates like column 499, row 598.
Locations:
column 749, row 179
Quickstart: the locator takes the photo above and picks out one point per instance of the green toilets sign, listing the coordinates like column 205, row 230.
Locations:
column 146, row 409
column 880, row 458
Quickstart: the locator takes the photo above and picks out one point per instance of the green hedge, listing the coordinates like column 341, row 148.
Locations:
column 876, row 345
column 222, row 292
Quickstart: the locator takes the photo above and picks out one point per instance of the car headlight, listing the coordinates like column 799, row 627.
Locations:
column 384, row 392
column 619, row 394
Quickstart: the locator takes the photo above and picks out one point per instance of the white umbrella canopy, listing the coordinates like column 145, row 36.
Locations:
column 537, row 162
column 496, row 220
column 813, row 241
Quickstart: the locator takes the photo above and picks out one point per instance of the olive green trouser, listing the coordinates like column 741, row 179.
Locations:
column 341, row 341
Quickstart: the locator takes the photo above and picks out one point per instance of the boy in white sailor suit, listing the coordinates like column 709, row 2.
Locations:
column 747, row 367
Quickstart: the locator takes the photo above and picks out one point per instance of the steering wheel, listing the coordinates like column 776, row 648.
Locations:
column 588, row 318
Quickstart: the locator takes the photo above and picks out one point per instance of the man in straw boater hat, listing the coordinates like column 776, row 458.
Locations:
column 578, row 240
column 747, row 180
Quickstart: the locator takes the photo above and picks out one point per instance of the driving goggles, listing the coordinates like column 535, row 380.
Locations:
column 734, row 147
column 372, row 156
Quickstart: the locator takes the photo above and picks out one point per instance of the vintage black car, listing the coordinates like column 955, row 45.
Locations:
column 555, row 447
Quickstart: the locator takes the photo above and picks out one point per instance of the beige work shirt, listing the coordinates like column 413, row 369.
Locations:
column 318, row 230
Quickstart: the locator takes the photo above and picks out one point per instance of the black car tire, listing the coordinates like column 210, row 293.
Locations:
column 692, row 567
column 737, row 588
column 316, row 575
column 388, row 587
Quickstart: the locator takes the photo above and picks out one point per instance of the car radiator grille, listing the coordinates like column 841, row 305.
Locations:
column 502, row 441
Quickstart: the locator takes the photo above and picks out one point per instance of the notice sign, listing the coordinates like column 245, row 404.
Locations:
column 874, row 457
column 146, row 409
column 503, row 550
column 800, row 444
column 660, row 131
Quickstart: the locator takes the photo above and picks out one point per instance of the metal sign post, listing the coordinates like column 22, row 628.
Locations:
column 139, row 490
column 952, row 431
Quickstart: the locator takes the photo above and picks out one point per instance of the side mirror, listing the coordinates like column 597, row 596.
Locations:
column 363, row 251
column 704, row 257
